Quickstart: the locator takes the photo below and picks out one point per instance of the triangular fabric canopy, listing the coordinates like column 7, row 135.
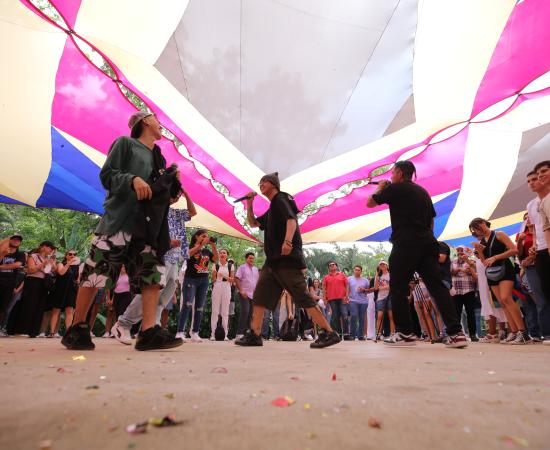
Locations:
column 329, row 94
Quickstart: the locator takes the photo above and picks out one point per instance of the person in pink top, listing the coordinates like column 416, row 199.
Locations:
column 336, row 294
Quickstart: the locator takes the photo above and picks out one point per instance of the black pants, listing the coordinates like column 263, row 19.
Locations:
column 468, row 301
column 404, row 261
column 120, row 302
column 245, row 314
column 542, row 265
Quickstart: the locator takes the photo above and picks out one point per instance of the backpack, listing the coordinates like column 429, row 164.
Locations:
column 290, row 330
column 219, row 333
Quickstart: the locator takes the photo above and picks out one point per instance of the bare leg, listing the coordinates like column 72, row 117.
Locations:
column 45, row 322
column 54, row 321
column 509, row 317
column 149, row 298
column 83, row 301
column 110, row 319
column 379, row 319
column 69, row 313
column 392, row 323
column 492, row 325
column 257, row 319
column 318, row 318
column 93, row 315
column 164, row 319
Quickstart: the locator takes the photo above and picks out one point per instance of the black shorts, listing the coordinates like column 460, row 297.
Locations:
column 273, row 280
column 509, row 273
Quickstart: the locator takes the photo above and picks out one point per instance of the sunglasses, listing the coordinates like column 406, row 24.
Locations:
column 71, row 254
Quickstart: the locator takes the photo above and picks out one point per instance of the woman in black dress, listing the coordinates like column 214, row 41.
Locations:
column 64, row 294
column 494, row 249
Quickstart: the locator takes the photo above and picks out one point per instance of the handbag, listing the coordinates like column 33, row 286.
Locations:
column 494, row 272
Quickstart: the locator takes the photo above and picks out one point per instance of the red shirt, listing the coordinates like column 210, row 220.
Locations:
column 335, row 286
column 527, row 244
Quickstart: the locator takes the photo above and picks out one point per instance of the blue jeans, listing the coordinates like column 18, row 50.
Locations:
column 265, row 325
column 529, row 309
column 358, row 312
column 543, row 303
column 194, row 290
column 340, row 315
column 134, row 311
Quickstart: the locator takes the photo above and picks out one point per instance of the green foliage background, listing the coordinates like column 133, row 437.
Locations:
column 73, row 230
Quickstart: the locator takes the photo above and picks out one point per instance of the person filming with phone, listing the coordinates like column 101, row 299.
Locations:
column 195, row 283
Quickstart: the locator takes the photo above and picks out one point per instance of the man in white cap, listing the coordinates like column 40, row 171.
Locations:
column 132, row 164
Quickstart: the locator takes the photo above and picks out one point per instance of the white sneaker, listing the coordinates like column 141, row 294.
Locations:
column 3, row 333
column 57, row 336
column 121, row 334
column 106, row 335
column 195, row 337
column 180, row 335
column 42, row 335
column 212, row 338
column 308, row 337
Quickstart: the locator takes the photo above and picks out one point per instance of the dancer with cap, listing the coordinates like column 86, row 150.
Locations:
column 132, row 165
column 415, row 249
column 284, row 264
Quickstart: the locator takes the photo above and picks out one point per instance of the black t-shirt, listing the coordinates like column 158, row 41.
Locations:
column 273, row 223
column 446, row 266
column 197, row 266
column 8, row 275
column 411, row 213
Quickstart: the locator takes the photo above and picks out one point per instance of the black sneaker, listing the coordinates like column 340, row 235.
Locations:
column 156, row 338
column 249, row 339
column 325, row 339
column 347, row 337
column 78, row 337
column 474, row 338
column 399, row 339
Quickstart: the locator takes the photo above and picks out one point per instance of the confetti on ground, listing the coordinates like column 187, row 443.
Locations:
column 169, row 395
column 102, row 377
column 166, row 421
column 363, row 402
column 467, row 430
column 311, row 435
column 307, row 406
column 137, row 428
column 374, row 423
column 516, row 440
column 112, row 428
column 79, row 358
column 92, row 386
column 333, row 377
column 61, row 370
column 219, row 370
column 295, row 378
column 45, row 444
column 452, row 378
column 132, row 445
column 491, row 372
column 283, row 401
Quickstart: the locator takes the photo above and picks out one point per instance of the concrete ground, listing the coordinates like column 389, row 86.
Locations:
column 487, row 396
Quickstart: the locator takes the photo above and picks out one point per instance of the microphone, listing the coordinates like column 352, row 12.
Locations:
column 244, row 198
column 378, row 182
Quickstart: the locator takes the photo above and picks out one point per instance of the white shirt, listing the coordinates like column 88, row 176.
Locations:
column 536, row 220
column 223, row 272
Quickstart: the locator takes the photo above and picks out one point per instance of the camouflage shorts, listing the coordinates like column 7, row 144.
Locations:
column 109, row 253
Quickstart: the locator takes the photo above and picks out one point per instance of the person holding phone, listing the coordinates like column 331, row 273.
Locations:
column 195, row 283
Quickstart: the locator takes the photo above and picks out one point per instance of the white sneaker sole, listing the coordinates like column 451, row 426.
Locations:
column 400, row 344
column 114, row 332
column 457, row 345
